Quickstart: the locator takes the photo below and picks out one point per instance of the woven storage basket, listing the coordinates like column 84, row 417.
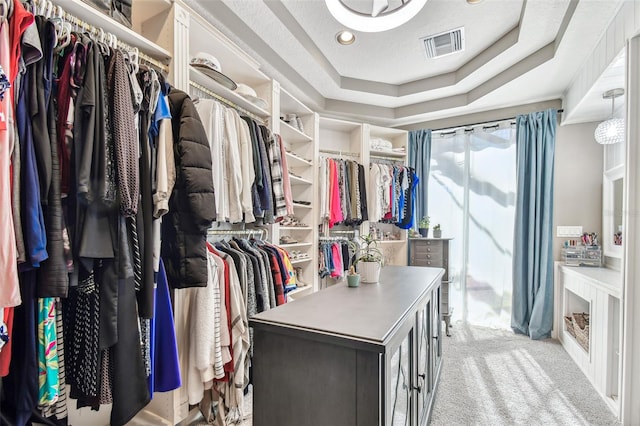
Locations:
column 568, row 322
column 581, row 329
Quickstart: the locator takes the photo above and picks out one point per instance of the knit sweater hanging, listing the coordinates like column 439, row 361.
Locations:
column 124, row 135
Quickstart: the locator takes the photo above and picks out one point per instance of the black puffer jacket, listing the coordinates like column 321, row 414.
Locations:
column 192, row 203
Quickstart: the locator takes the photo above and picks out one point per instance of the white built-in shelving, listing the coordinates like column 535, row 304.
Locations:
column 395, row 250
column 300, row 142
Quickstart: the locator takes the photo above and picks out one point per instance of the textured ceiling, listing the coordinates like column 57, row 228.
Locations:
column 517, row 52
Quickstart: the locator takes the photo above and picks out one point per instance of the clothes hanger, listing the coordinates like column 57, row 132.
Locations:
column 48, row 10
column 134, row 58
column 64, row 39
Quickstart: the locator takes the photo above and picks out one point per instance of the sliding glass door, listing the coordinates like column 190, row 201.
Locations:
column 472, row 195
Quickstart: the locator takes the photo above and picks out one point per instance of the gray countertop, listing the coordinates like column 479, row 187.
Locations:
column 368, row 313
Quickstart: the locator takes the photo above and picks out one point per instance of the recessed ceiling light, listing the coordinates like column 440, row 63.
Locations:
column 345, row 37
column 474, row 1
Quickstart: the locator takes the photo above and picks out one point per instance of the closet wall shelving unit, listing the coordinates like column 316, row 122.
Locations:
column 394, row 248
column 301, row 151
column 183, row 31
column 352, row 140
column 339, row 139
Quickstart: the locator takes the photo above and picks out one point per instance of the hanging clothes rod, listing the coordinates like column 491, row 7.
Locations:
column 225, row 101
column 385, row 157
column 66, row 16
column 343, row 232
column 249, row 232
column 345, row 153
column 329, row 239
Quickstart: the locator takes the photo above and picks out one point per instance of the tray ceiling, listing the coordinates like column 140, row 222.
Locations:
column 517, row 52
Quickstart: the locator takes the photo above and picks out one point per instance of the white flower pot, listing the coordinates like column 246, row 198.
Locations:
column 369, row 272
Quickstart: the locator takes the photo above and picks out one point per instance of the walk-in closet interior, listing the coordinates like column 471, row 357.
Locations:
column 270, row 213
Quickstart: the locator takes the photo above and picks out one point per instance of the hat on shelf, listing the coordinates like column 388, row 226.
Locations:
column 249, row 94
column 209, row 65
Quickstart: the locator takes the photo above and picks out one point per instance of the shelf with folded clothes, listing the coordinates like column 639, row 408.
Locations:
column 386, row 143
column 295, row 160
column 201, row 79
column 387, row 154
column 85, row 12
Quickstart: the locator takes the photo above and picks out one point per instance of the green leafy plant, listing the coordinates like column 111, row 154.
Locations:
column 437, row 227
column 424, row 222
column 366, row 250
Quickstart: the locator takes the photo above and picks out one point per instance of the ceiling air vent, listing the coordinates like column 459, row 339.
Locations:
column 445, row 43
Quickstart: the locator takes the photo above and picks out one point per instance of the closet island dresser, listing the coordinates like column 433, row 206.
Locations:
column 366, row 356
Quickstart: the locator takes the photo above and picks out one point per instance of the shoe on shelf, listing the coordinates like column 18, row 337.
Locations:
column 286, row 239
column 292, row 221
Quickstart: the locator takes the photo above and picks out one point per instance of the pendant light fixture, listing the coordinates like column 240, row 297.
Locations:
column 378, row 19
column 612, row 130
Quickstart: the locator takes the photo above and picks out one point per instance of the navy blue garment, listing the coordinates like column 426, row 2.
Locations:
column 21, row 385
column 32, row 217
column 257, row 183
column 408, row 202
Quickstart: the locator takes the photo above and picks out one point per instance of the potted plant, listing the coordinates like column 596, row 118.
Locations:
column 437, row 233
column 369, row 257
column 423, row 226
column 353, row 278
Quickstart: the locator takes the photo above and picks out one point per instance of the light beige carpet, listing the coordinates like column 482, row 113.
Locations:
column 495, row 377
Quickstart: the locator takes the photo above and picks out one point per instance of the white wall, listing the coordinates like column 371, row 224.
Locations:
column 578, row 181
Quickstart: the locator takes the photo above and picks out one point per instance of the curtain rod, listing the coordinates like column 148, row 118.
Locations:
column 495, row 122
column 225, row 101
